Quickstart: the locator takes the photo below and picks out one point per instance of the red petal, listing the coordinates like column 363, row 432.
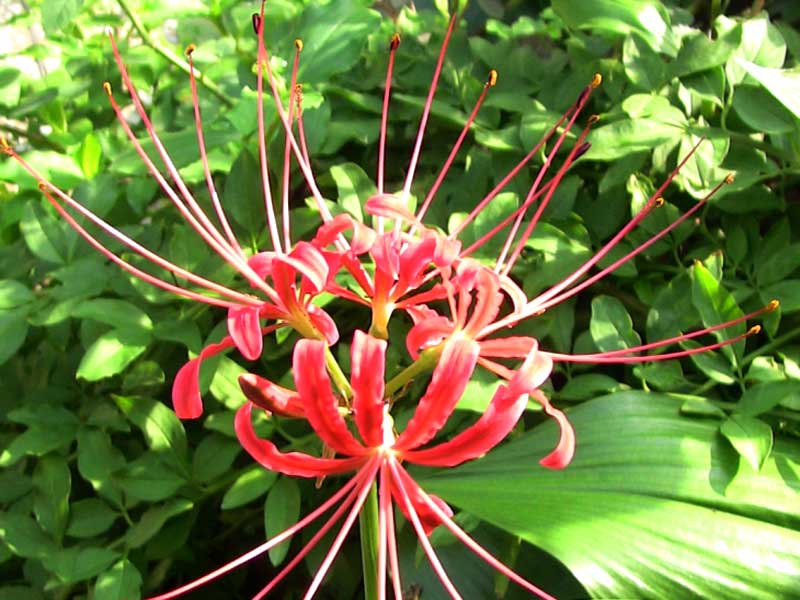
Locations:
column 321, row 406
column 323, row 323
column 327, row 234
column 271, row 397
column 449, row 379
column 509, row 347
column 389, row 206
column 565, row 450
column 367, row 366
column 307, row 260
column 295, row 464
column 429, row 332
column 244, row 325
column 186, row 399
column 503, row 412
column 261, row 263
column 428, row 518
column 413, row 261
column 487, row 302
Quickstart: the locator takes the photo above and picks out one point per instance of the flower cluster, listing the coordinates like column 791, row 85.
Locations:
column 461, row 310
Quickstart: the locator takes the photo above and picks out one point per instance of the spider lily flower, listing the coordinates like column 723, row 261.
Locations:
column 377, row 453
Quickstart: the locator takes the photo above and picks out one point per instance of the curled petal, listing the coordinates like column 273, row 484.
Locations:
column 508, row 347
column 261, row 263
column 449, row 379
column 271, row 397
column 321, row 406
column 307, row 260
column 362, row 239
column 503, row 412
column 294, row 464
column 518, row 298
column 413, row 260
column 386, row 256
column 427, row 333
column 368, row 361
column 390, row 206
column 487, row 303
column 244, row 326
column 323, row 323
column 446, row 251
column 429, row 519
column 186, row 387
column 565, row 450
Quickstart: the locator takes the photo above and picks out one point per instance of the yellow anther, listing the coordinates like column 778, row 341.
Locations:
column 107, row 88
column 754, row 330
column 658, row 202
column 773, row 305
column 730, row 178
column 298, row 44
column 4, row 145
column 43, row 186
column 596, row 80
column 393, row 45
column 492, row 81
column 189, row 49
column 593, row 119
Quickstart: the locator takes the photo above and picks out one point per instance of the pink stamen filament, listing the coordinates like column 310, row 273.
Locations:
column 412, row 167
column 298, row 44
column 543, row 204
column 204, row 158
column 614, row 358
column 387, row 538
column 387, row 91
column 447, row 164
column 423, row 538
column 258, row 551
column 211, row 237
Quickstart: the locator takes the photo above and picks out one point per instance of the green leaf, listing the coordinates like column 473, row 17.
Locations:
column 764, row 396
column 621, row 18
column 53, row 482
column 112, row 352
column 761, row 111
column 13, row 331
column 699, row 53
column 149, row 479
column 56, row 14
column 213, row 457
column 716, row 306
column 43, row 235
column 254, row 482
column 162, row 429
column 354, row 187
column 37, row 441
column 98, row 460
column 242, row 195
column 783, row 84
column 712, row 364
column 121, row 582
column 117, row 313
column 13, row 294
column 90, row 517
column 77, row 564
column 787, row 292
column 611, row 515
column 611, row 325
column 281, row 510
column 751, row 438
column 584, row 387
column 24, row 537
column 89, row 156
column 153, row 520
column 643, row 67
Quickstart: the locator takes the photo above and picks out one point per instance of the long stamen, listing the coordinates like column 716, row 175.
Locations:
column 490, row 83
column 388, row 534
column 258, row 551
column 213, row 239
column 212, row 190
column 298, row 45
column 334, row 518
column 262, row 142
column 322, row 570
column 602, row 357
column 238, row 299
column 387, row 91
column 487, row 557
column 412, row 167
column 423, row 538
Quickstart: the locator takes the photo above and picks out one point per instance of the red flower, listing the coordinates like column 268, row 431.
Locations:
column 377, row 454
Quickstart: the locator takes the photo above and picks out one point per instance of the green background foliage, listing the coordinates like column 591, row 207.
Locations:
column 688, row 490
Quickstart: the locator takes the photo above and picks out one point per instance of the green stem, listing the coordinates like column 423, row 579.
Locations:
column 170, row 56
column 368, row 530
column 426, row 361
column 337, row 374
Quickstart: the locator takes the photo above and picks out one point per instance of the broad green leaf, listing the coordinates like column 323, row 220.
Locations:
column 716, row 306
column 37, row 441
column 611, row 325
column 254, row 482
column 354, row 187
column 117, row 313
column 783, row 84
column 13, row 485
column 43, row 234
column 643, row 66
column 764, row 396
column 13, row 331
column 243, row 194
column 14, row 294
column 89, row 156
column 90, row 517
column 281, row 510
column 786, row 292
column 213, row 456
column 120, row 582
column 98, row 460
column 751, row 437
column 712, row 364
column 162, row 429
column 112, row 352
column 24, row 537
column 761, row 111
column 77, row 564
column 149, row 479
column 646, row 18
column 56, row 14
column 640, row 469
column 584, row 387
column 53, row 482
column 225, row 384
column 153, row 520
column 699, row 53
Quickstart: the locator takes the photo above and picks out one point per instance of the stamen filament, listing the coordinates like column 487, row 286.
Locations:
column 298, row 44
column 387, row 90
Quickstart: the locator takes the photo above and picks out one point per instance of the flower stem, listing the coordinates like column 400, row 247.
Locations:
column 368, row 530
column 337, row 374
column 426, row 361
column 170, row 56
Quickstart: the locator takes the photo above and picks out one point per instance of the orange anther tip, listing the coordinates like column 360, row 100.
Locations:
column 597, row 80
column 4, row 144
column 730, row 178
column 395, row 41
column 107, row 87
column 298, row 43
column 492, row 81
column 659, row 202
column 298, row 88
column 594, row 119
column 189, row 49
column 42, row 186
column 773, row 305
column 754, row 330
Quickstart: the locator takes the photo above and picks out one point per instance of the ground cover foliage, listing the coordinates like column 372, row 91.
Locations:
column 686, row 479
